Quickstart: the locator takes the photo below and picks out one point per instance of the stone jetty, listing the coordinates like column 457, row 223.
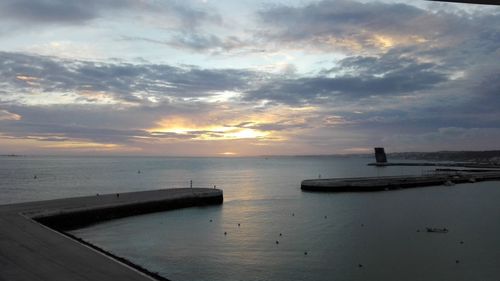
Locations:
column 395, row 182
column 34, row 245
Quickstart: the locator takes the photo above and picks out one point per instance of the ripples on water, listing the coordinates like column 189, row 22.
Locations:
column 347, row 236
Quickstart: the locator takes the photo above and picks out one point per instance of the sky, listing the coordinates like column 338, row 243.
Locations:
column 248, row 77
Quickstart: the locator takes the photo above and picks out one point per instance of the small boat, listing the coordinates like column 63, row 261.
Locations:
column 437, row 230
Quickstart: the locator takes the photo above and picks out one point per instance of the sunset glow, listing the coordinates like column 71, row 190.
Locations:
column 247, row 77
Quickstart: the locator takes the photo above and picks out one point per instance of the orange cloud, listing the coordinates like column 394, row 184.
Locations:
column 233, row 125
column 8, row 116
column 30, row 80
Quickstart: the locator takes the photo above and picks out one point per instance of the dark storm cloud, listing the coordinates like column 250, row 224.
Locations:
column 453, row 79
column 351, row 25
column 122, row 80
column 59, row 11
column 276, row 126
column 23, row 129
column 175, row 90
column 183, row 21
column 488, row 78
column 393, row 61
column 62, row 132
column 93, row 115
column 191, row 17
column 202, row 42
column 341, row 19
column 445, row 60
column 365, row 77
column 49, row 11
column 29, row 12
column 96, row 123
column 328, row 15
column 196, row 42
column 446, row 138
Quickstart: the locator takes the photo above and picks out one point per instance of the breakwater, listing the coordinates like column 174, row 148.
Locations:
column 127, row 205
column 364, row 184
column 438, row 164
column 34, row 245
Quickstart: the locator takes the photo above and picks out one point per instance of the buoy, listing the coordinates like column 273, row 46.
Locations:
column 305, row 253
column 34, row 176
column 457, row 261
column 277, row 242
column 281, row 234
column 360, row 265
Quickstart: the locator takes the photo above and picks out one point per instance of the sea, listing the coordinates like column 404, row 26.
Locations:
column 267, row 228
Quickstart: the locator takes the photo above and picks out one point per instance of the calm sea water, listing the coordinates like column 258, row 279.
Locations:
column 347, row 236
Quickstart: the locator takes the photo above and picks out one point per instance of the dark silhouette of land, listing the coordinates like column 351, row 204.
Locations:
column 488, row 156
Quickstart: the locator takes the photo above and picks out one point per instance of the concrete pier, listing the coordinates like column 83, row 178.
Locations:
column 33, row 246
column 394, row 182
column 439, row 164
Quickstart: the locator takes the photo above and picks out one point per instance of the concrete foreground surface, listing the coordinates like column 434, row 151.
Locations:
column 32, row 251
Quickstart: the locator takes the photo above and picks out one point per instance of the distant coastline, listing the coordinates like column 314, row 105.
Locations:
column 485, row 156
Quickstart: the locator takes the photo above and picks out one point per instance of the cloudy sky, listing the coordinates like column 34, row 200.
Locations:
column 248, row 77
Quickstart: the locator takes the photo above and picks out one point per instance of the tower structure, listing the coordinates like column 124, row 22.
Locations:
column 380, row 156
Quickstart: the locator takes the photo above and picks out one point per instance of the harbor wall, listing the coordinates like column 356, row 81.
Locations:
column 65, row 221
column 365, row 184
column 38, row 247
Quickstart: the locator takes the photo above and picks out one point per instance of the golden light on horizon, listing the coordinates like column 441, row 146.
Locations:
column 239, row 133
column 214, row 133
column 82, row 145
column 183, row 126
column 275, row 124
column 357, row 150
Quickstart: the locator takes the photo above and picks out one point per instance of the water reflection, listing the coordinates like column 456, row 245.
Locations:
column 375, row 230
